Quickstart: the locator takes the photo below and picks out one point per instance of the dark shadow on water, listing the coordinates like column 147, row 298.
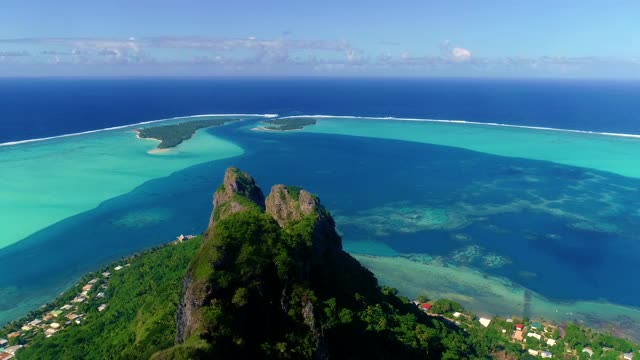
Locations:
column 353, row 175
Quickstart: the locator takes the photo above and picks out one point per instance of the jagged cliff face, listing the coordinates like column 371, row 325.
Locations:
column 289, row 205
column 262, row 268
column 238, row 192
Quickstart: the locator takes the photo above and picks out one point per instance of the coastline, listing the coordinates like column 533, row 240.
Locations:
column 530, row 127
column 79, row 302
column 120, row 127
column 185, row 143
column 591, row 150
column 271, row 130
column 156, row 150
column 321, row 116
column 475, row 291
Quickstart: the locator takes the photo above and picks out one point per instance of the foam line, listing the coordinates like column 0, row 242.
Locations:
column 634, row 136
column 128, row 126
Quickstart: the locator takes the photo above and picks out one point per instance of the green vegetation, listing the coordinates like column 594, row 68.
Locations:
column 139, row 319
column 604, row 345
column 294, row 191
column 254, row 258
column 444, row 306
column 172, row 135
column 293, row 123
column 264, row 283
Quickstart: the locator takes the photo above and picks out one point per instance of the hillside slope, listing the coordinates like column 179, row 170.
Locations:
column 269, row 279
column 272, row 281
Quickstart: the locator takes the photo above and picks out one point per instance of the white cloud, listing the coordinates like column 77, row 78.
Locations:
column 288, row 55
column 459, row 54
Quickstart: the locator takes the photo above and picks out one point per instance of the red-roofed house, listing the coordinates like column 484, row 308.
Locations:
column 519, row 326
column 426, row 307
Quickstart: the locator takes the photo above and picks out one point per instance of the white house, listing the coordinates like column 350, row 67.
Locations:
column 533, row 352
column 537, row 336
column 12, row 349
column 627, row 356
column 484, row 321
column 546, row 355
column 551, row 342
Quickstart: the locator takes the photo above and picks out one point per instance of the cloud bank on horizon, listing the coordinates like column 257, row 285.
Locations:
column 467, row 38
column 277, row 56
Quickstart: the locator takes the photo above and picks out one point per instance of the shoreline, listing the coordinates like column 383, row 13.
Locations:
column 266, row 129
column 495, row 296
column 465, row 122
column 172, row 135
column 154, row 151
column 320, row 116
column 120, row 127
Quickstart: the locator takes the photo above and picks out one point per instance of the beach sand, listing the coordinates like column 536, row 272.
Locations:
column 157, row 151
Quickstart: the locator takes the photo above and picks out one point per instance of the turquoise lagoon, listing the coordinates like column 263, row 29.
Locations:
column 43, row 182
column 616, row 153
column 506, row 220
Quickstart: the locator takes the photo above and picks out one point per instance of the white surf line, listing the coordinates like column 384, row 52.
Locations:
column 633, row 136
column 119, row 127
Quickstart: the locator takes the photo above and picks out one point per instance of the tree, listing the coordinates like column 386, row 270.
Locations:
column 444, row 306
column 575, row 336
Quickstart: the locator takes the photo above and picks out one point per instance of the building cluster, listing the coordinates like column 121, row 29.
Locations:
column 67, row 315
column 538, row 331
column 60, row 318
column 537, row 338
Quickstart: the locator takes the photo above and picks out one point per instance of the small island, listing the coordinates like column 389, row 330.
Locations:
column 173, row 135
column 290, row 123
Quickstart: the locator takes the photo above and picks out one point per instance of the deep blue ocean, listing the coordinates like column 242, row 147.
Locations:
column 356, row 177
column 35, row 108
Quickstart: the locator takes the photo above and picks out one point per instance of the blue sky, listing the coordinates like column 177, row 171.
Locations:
column 510, row 38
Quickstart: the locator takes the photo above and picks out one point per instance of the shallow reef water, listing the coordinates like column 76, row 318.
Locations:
column 502, row 234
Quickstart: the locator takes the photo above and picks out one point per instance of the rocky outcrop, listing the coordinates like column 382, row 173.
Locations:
column 238, row 192
column 289, row 204
column 294, row 256
column 187, row 309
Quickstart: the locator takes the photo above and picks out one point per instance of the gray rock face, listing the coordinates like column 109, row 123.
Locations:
column 236, row 184
column 238, row 191
column 186, row 308
column 288, row 205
